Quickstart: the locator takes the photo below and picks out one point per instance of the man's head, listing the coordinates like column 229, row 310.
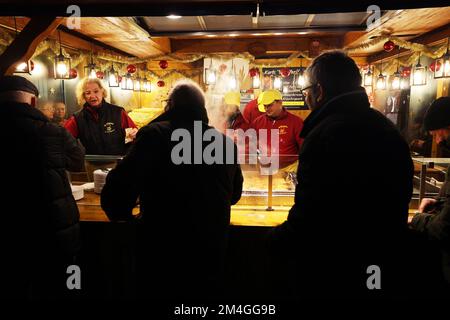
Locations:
column 187, row 98
column 18, row 89
column 271, row 102
column 47, row 109
column 60, row 110
column 329, row 75
column 437, row 119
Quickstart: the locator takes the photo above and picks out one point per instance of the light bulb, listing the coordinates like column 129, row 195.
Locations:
column 277, row 83
column 61, row 69
column 301, row 81
column 21, row 66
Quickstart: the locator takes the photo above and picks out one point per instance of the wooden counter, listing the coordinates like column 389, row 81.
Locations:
column 241, row 215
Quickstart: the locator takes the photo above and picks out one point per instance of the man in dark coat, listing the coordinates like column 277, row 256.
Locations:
column 185, row 205
column 40, row 219
column 355, row 179
column 433, row 219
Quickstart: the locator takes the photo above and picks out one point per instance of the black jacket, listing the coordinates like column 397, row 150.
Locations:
column 105, row 136
column 182, row 233
column 355, row 179
column 40, row 217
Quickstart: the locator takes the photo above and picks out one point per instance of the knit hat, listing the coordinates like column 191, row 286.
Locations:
column 16, row 83
column 438, row 114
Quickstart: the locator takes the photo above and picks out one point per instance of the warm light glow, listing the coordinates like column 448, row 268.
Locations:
column 256, row 82
column 233, row 35
column 210, row 77
column 381, row 82
column 301, row 81
column 38, row 70
column 21, row 67
column 277, row 83
column 302, row 32
column 447, row 68
column 61, row 69
column 173, row 17
column 129, row 85
column 285, row 89
column 112, row 80
column 137, row 85
column 396, row 83
column 232, row 83
column 419, row 76
column 92, row 74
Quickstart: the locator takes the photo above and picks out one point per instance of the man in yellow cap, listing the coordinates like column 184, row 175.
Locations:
column 287, row 124
column 235, row 120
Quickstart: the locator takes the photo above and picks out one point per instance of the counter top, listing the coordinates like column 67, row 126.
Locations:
column 241, row 215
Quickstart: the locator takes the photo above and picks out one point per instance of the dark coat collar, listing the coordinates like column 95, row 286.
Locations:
column 24, row 110
column 346, row 103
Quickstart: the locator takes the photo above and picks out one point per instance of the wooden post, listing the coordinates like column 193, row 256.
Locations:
column 24, row 45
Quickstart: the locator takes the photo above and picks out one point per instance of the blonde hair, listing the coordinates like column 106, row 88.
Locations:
column 81, row 87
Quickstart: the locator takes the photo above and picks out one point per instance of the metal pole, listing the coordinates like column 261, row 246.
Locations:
column 269, row 194
column 423, row 175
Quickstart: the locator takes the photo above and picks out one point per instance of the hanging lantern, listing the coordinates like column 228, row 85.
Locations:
column 22, row 66
column 209, row 77
column 73, row 73
column 131, row 68
column 285, row 72
column 127, row 82
column 389, row 46
column 256, row 82
column 368, row 78
column 396, row 80
column 62, row 64
column 138, row 84
column 163, row 64
column 446, row 65
column 300, row 83
column 277, row 83
column 381, row 82
column 442, row 66
column 147, row 85
column 113, row 77
column 160, row 83
column 419, row 76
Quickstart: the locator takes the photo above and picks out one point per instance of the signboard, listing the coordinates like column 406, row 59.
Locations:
column 286, row 81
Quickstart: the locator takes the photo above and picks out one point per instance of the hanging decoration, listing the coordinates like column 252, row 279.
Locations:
column 100, row 74
column 113, row 77
column 62, row 63
column 160, row 83
column 389, row 46
column 285, row 72
column 419, row 75
column 131, row 68
column 253, row 72
column 163, row 64
column 73, row 73
column 435, row 66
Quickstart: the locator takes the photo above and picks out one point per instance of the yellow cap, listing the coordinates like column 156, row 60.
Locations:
column 267, row 97
column 233, row 97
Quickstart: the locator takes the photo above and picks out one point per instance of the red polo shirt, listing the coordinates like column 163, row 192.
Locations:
column 251, row 111
column 289, row 127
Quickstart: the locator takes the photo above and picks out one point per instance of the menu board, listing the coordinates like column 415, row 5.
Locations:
column 288, row 86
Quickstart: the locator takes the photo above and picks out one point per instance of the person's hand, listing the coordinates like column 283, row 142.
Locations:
column 426, row 204
column 130, row 134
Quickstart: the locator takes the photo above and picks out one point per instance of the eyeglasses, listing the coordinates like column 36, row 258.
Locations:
column 308, row 87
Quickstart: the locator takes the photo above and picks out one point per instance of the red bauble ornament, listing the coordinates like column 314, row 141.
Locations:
column 163, row 64
column 253, row 72
column 285, row 72
column 406, row 72
column 100, row 74
column 435, row 66
column 160, row 83
column 389, row 46
column 73, row 73
column 131, row 68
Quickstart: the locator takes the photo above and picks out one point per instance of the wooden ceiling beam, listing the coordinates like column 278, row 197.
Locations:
column 429, row 38
column 24, row 45
column 272, row 44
